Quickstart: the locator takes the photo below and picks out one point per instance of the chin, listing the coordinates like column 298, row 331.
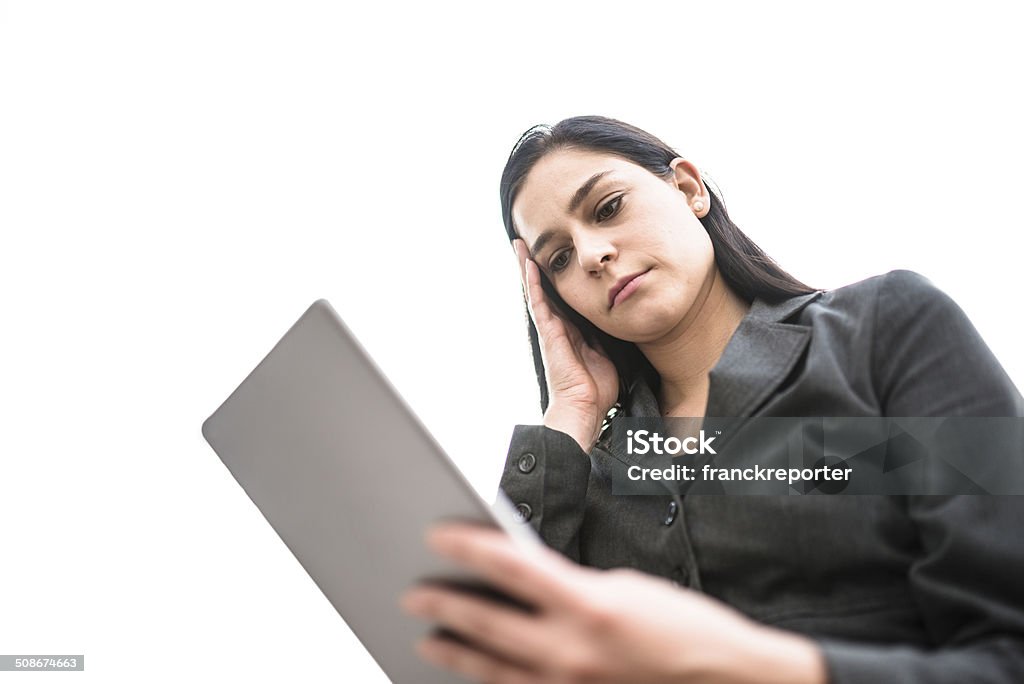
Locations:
column 649, row 321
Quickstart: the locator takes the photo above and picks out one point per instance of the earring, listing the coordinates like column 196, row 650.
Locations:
column 698, row 207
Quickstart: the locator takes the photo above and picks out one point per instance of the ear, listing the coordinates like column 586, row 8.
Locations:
column 686, row 178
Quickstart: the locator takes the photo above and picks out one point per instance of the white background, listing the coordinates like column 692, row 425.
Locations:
column 179, row 180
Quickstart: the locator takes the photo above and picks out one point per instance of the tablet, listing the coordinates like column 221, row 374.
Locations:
column 350, row 479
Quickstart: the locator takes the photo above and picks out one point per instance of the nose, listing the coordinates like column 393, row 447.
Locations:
column 594, row 252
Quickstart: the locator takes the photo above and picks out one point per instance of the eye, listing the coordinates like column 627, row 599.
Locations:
column 559, row 261
column 609, row 208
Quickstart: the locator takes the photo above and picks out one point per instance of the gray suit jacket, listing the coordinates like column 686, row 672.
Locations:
column 895, row 589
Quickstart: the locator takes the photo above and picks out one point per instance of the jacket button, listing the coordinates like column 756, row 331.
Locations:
column 527, row 462
column 523, row 512
column 670, row 515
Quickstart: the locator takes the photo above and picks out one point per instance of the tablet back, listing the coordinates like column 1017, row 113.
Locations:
column 350, row 480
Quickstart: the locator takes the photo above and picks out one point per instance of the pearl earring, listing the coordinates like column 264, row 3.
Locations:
column 698, row 207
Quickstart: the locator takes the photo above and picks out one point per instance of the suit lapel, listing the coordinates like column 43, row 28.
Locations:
column 758, row 357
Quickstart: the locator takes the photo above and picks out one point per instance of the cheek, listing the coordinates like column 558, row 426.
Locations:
column 693, row 250
column 572, row 295
column 582, row 299
column 706, row 253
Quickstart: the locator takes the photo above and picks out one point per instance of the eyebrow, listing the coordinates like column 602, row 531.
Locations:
column 584, row 190
column 574, row 203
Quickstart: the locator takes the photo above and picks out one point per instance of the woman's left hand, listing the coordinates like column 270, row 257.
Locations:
column 592, row 625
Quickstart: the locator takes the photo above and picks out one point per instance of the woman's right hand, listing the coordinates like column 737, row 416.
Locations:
column 582, row 381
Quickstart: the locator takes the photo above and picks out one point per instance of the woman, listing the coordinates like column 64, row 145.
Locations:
column 643, row 294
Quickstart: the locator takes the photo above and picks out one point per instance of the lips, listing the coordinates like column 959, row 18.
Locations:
column 622, row 284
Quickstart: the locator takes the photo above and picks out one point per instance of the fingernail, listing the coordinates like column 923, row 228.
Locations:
column 428, row 649
column 439, row 539
column 449, row 540
column 407, row 601
column 413, row 603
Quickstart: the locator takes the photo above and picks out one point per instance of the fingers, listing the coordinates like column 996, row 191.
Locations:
column 523, row 256
column 524, row 273
column 507, row 632
column 470, row 663
column 533, row 574
column 544, row 315
column 536, row 302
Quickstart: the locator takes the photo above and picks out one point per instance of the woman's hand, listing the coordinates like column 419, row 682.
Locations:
column 582, row 382
column 593, row 626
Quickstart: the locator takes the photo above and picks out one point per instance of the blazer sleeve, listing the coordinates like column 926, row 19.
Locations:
column 930, row 361
column 545, row 477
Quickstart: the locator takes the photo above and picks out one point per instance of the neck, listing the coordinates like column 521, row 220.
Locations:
column 684, row 357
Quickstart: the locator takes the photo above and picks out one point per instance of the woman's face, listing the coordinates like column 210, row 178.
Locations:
column 622, row 247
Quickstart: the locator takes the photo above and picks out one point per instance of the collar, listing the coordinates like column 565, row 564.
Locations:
column 757, row 358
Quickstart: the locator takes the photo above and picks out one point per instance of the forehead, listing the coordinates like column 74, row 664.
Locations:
column 550, row 185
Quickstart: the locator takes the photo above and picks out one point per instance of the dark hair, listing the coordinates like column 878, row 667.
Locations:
column 747, row 269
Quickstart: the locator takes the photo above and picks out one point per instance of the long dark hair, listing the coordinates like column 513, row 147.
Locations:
column 747, row 269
